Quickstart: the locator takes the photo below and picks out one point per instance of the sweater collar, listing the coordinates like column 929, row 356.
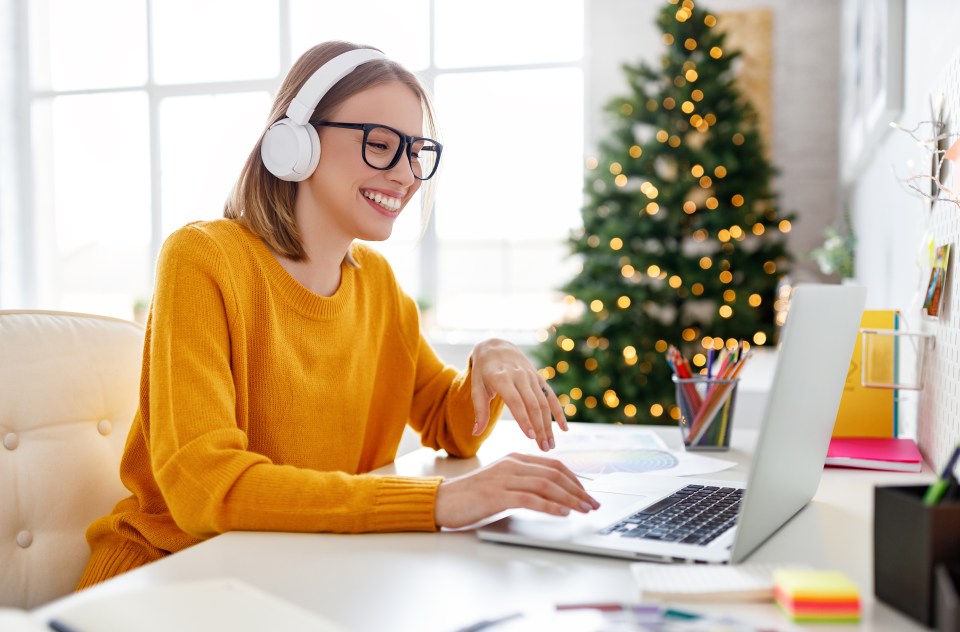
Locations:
column 300, row 298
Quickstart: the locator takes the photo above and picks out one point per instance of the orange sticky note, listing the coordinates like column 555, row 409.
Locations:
column 954, row 152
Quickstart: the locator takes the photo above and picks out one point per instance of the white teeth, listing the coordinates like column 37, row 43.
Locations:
column 387, row 202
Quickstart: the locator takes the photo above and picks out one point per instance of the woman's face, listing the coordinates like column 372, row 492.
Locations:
column 352, row 199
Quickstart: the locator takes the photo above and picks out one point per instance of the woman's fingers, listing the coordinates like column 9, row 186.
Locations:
column 531, row 410
column 515, row 482
column 501, row 369
column 556, row 408
column 550, row 470
column 481, row 405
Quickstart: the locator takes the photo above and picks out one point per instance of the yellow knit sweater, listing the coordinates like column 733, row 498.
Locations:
column 263, row 405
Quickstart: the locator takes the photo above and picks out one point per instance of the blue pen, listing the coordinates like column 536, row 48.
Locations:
column 710, row 354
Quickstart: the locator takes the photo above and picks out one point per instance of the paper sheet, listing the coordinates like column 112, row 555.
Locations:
column 640, row 451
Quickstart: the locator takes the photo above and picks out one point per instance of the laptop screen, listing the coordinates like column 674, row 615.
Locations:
column 816, row 345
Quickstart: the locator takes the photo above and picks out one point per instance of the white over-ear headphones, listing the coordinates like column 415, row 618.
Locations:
column 290, row 149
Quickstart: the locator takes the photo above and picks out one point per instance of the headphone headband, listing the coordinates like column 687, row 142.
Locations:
column 301, row 108
column 290, row 148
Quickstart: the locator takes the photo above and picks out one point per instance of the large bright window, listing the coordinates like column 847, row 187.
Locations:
column 136, row 125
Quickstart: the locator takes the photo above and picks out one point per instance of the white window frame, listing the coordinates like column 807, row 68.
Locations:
column 22, row 259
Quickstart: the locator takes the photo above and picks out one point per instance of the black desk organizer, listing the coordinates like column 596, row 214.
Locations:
column 910, row 540
column 948, row 601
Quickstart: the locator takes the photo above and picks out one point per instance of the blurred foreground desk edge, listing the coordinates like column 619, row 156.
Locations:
column 444, row 581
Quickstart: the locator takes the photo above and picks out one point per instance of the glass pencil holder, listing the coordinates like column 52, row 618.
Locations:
column 706, row 411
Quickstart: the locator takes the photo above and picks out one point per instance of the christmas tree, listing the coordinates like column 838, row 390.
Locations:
column 682, row 240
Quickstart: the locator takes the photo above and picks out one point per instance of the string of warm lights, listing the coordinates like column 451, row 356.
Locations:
column 930, row 185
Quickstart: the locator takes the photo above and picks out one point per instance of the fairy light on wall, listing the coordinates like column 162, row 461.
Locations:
column 933, row 139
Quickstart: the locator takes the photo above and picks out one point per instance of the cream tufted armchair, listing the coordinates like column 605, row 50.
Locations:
column 68, row 393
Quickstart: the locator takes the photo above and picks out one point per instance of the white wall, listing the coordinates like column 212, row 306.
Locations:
column 890, row 220
column 804, row 95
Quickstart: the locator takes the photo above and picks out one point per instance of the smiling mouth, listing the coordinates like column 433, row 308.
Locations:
column 389, row 203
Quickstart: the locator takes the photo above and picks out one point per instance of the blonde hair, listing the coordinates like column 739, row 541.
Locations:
column 264, row 203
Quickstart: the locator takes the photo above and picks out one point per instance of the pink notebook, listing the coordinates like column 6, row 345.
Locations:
column 871, row 453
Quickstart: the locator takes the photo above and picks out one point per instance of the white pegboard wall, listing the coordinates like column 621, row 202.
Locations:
column 938, row 422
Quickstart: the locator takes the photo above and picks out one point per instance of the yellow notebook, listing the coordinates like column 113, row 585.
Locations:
column 867, row 412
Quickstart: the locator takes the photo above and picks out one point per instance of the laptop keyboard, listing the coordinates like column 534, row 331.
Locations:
column 695, row 514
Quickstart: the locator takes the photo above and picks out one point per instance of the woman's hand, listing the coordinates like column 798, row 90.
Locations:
column 500, row 368
column 517, row 481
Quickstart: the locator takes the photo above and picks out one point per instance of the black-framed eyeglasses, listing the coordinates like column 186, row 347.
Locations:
column 383, row 146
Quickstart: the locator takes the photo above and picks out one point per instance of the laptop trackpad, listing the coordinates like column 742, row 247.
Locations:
column 613, row 507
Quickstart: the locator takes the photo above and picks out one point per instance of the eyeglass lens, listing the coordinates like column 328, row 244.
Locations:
column 383, row 148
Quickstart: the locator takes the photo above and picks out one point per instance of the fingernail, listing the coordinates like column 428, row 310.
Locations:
column 553, row 443
column 586, row 506
column 544, row 445
column 564, row 511
column 531, row 433
column 596, row 503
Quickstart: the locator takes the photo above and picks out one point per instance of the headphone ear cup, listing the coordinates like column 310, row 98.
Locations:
column 290, row 151
column 314, row 141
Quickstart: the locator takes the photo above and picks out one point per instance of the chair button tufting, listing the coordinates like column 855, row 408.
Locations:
column 24, row 539
column 104, row 427
column 11, row 441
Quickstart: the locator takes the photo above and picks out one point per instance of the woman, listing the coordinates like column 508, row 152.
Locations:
column 282, row 361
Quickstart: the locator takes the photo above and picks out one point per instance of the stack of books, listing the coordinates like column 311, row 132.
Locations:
column 816, row 596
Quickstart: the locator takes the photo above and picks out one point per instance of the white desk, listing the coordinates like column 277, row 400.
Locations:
column 441, row 581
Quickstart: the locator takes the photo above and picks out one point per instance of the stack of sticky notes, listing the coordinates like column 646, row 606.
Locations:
column 809, row 595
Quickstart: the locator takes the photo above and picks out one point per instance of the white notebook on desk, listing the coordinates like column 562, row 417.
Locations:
column 705, row 582
column 817, row 341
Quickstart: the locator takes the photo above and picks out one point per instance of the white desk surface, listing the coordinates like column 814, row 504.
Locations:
column 443, row 581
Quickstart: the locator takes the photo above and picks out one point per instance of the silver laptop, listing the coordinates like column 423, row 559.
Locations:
column 816, row 347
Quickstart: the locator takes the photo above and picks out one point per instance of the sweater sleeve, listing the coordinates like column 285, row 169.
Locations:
column 209, row 480
column 443, row 411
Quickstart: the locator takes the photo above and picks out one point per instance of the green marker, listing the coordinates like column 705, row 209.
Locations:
column 939, row 487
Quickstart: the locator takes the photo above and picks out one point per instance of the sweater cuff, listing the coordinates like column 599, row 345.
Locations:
column 405, row 504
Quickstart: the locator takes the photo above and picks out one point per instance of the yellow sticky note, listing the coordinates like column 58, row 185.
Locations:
column 808, row 585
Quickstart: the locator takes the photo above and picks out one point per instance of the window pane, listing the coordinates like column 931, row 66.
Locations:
column 404, row 258
column 399, row 29
column 73, row 45
column 521, row 144
column 215, row 40
column 507, row 32
column 508, row 286
column 516, row 316
column 204, row 143
column 92, row 193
